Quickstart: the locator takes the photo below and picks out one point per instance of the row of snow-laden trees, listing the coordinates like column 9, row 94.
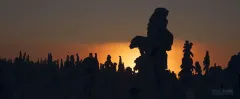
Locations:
column 76, row 78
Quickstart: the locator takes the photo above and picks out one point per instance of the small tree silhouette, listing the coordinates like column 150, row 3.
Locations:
column 129, row 71
column 206, row 62
column 50, row 59
column 120, row 65
column 108, row 63
column 198, row 68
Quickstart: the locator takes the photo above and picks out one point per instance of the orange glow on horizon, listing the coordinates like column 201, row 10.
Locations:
column 129, row 55
column 115, row 49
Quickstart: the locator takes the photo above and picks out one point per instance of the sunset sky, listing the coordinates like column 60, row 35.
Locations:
column 107, row 26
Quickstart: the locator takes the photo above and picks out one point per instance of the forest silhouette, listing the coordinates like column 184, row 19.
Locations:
column 85, row 78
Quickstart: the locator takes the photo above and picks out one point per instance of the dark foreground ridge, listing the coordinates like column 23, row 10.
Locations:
column 75, row 78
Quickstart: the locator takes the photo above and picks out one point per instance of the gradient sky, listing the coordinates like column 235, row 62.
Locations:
column 68, row 26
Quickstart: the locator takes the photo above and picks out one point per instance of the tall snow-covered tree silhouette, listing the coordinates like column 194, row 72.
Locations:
column 187, row 65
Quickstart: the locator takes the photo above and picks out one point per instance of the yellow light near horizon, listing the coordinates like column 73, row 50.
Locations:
column 129, row 55
column 118, row 49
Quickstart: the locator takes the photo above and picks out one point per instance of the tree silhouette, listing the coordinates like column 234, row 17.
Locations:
column 198, row 68
column 108, row 64
column 61, row 64
column 129, row 71
column 206, row 63
column 67, row 62
column 187, row 65
column 141, row 43
column 120, row 65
